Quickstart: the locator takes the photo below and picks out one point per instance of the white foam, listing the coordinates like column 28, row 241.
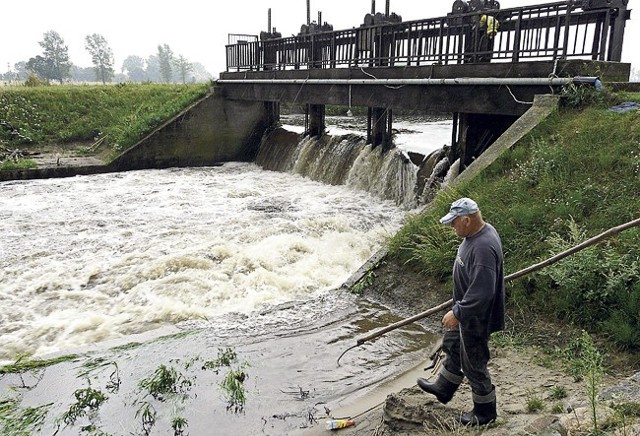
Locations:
column 93, row 258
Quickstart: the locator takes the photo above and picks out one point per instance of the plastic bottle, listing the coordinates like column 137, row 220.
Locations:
column 335, row 424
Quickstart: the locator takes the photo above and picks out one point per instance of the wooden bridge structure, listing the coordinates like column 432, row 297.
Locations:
column 481, row 63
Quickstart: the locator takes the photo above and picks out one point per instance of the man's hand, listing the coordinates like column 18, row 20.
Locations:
column 449, row 320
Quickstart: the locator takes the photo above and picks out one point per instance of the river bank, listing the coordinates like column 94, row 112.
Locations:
column 539, row 391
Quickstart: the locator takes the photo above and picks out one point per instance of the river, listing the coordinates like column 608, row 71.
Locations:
column 230, row 256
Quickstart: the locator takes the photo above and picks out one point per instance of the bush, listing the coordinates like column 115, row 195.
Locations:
column 597, row 284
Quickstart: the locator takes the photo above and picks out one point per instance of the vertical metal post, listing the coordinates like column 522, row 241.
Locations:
column 617, row 34
column 373, row 7
column 308, row 12
column 386, row 9
column 567, row 28
column 269, row 21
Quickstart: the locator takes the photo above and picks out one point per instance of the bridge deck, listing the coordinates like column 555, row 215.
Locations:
column 506, row 89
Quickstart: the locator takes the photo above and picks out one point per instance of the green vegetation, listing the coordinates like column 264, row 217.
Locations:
column 233, row 383
column 558, row 393
column 165, row 381
column 88, row 401
column 534, row 404
column 23, row 364
column 575, row 176
column 117, row 115
column 21, row 164
column 15, row 420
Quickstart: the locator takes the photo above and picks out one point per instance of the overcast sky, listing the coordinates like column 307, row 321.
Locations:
column 194, row 29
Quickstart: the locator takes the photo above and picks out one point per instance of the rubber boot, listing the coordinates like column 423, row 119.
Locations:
column 443, row 389
column 484, row 410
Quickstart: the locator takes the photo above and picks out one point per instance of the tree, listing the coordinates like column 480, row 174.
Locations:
column 200, row 73
column 133, row 67
column 21, row 70
column 56, row 57
column 79, row 74
column 153, row 69
column 39, row 66
column 101, row 56
column 165, row 58
column 183, row 66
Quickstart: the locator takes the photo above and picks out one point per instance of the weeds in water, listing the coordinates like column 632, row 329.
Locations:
column 113, row 385
column 18, row 421
column 179, row 425
column 24, row 364
column 88, row 401
column 233, row 383
column 233, row 387
column 225, row 358
column 165, row 381
column 365, row 282
column 147, row 413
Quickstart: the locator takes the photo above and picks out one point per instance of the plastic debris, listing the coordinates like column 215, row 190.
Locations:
column 336, row 424
column 625, row 107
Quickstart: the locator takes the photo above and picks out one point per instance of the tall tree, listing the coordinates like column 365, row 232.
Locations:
column 133, row 67
column 101, row 56
column 56, row 56
column 183, row 66
column 165, row 58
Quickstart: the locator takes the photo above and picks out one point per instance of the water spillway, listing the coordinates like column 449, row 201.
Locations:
column 342, row 160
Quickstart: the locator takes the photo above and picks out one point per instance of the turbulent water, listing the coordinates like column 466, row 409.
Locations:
column 235, row 256
column 92, row 258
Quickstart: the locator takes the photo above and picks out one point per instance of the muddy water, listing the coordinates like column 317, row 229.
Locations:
column 226, row 257
column 89, row 259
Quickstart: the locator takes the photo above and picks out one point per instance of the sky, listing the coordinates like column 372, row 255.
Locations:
column 198, row 30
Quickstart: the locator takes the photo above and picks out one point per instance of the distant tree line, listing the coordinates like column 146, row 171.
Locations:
column 54, row 65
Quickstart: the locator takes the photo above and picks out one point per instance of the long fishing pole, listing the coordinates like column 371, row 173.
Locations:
column 536, row 267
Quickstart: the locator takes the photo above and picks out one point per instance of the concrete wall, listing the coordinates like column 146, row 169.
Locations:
column 211, row 131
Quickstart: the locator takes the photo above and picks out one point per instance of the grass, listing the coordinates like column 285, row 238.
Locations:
column 574, row 176
column 23, row 364
column 15, row 420
column 117, row 115
column 534, row 404
column 21, row 164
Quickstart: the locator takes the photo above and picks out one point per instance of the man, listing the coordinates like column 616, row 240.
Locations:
column 478, row 311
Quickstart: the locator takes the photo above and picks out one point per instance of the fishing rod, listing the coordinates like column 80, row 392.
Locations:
column 536, row 267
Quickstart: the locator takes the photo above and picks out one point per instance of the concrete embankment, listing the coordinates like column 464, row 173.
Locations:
column 211, row 131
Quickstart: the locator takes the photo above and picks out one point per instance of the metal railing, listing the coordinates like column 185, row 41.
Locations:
column 583, row 29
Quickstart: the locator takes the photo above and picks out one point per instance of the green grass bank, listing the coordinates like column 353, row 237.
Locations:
column 573, row 177
column 113, row 116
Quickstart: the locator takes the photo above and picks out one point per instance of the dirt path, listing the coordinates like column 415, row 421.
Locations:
column 521, row 382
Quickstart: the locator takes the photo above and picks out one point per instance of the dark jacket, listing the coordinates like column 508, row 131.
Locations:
column 478, row 283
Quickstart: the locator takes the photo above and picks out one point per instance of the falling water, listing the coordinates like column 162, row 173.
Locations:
column 343, row 160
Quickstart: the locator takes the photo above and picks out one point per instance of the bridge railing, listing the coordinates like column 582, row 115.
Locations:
column 588, row 29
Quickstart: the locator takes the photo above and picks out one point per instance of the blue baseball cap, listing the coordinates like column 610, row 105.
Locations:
column 461, row 207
